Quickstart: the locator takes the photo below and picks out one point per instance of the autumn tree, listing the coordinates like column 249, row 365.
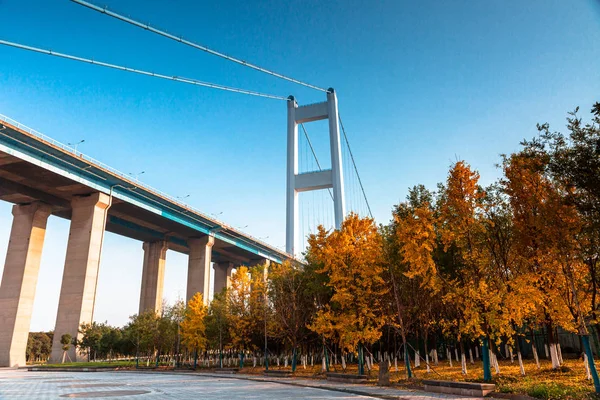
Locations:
column 532, row 200
column 193, row 330
column 511, row 284
column 411, row 241
column 352, row 259
column 574, row 162
column 466, row 274
column 560, row 226
column 246, row 308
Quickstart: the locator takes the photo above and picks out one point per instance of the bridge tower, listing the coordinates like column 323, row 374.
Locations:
column 316, row 180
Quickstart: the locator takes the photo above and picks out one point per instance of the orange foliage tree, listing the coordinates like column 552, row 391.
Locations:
column 352, row 259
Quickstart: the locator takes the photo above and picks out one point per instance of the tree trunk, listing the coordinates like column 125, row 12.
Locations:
column 463, row 359
column 552, row 345
column 519, row 357
column 403, row 333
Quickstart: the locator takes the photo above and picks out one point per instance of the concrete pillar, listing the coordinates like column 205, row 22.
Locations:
column 223, row 276
column 198, row 279
column 153, row 276
column 80, row 276
column 19, row 280
column 337, row 170
column 291, row 213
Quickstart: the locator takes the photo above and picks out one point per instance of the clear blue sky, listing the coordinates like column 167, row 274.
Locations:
column 420, row 84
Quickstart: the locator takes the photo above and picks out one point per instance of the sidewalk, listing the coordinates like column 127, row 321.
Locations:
column 387, row 393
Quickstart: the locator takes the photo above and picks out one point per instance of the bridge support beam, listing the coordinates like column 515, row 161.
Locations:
column 199, row 266
column 153, row 276
column 19, row 280
column 222, row 276
column 80, row 276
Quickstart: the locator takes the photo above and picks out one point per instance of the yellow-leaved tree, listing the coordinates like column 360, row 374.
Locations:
column 414, row 242
column 193, row 330
column 352, row 259
column 547, row 232
column 246, row 306
column 466, row 273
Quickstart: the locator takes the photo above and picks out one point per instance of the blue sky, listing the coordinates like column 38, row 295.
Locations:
column 420, row 84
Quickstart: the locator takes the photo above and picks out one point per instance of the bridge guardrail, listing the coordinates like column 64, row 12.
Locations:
column 128, row 178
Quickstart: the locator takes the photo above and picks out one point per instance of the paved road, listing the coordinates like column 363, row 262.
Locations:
column 22, row 385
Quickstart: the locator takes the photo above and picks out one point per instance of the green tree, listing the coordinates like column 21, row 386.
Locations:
column 143, row 332
column 292, row 305
column 90, row 336
column 217, row 324
column 66, row 340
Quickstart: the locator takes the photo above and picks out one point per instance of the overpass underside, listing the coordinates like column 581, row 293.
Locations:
column 41, row 178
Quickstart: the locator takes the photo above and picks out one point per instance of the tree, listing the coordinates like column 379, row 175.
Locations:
column 39, row 346
column 91, row 334
column 466, row 273
column 193, row 327
column 143, row 332
column 574, row 162
column 533, row 200
column 217, row 324
column 111, row 342
column 352, row 258
column 66, row 341
column 246, row 310
column 292, row 305
column 411, row 241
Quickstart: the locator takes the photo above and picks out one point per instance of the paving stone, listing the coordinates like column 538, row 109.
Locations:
column 19, row 385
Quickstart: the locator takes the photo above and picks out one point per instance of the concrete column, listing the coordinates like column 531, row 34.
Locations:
column 80, row 276
column 153, row 276
column 199, row 267
column 223, row 276
column 291, row 218
column 337, row 170
column 19, row 280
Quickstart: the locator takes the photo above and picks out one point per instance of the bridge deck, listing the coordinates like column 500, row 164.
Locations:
column 35, row 167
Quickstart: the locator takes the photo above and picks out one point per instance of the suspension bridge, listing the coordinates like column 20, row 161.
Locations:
column 43, row 177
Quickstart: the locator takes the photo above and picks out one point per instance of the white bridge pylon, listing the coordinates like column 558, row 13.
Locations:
column 317, row 180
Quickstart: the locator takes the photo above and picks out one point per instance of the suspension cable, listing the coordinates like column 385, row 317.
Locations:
column 179, row 39
column 137, row 71
column 314, row 154
column 354, row 164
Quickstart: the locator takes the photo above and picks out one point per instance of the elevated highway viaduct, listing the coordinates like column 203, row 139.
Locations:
column 42, row 177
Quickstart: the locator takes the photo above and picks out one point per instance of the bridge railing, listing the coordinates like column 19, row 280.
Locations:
column 128, row 178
